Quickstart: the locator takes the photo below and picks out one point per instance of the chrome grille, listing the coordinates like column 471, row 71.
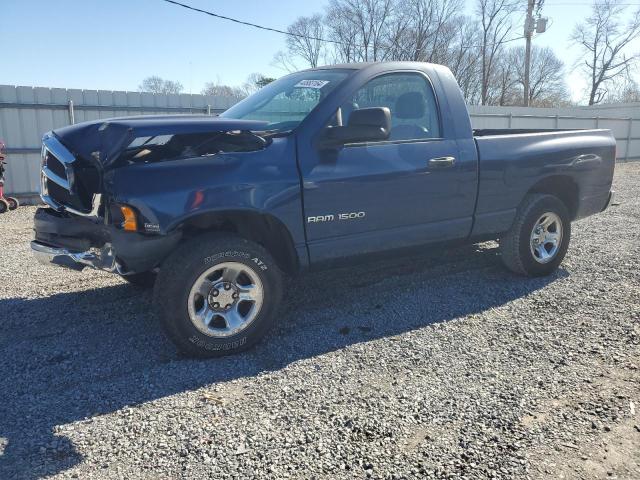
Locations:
column 55, row 165
column 57, row 180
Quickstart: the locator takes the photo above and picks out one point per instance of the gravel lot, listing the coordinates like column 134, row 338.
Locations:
column 446, row 367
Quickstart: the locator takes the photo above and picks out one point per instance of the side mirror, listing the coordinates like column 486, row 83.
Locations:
column 365, row 125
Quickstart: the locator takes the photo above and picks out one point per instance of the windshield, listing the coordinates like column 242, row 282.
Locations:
column 287, row 101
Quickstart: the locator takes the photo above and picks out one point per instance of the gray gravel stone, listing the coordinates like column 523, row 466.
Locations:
column 439, row 367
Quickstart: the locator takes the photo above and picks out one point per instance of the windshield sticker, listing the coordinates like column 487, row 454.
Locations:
column 311, row 83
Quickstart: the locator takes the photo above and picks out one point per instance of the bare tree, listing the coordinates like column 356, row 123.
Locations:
column 343, row 32
column 604, row 37
column 547, row 87
column 155, row 84
column 255, row 82
column 421, row 30
column 496, row 23
column 284, row 61
column 464, row 58
column 505, row 84
column 363, row 23
column 216, row 89
column 624, row 92
column 434, row 31
column 305, row 39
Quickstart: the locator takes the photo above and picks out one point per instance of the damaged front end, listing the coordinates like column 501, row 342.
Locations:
column 74, row 242
column 84, row 224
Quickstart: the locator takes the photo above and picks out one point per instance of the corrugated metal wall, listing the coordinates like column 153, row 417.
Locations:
column 26, row 113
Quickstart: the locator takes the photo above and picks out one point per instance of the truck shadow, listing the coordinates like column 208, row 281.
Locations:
column 70, row 357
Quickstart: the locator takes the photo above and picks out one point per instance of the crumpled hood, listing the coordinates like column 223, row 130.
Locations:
column 102, row 140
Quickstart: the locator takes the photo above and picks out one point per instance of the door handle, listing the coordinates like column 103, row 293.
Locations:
column 442, row 162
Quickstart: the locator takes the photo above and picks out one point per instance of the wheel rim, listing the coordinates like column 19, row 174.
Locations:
column 225, row 299
column 546, row 237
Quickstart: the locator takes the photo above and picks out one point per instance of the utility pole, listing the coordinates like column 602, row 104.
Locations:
column 529, row 25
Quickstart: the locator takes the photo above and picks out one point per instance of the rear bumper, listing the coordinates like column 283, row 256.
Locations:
column 610, row 200
column 76, row 242
column 594, row 204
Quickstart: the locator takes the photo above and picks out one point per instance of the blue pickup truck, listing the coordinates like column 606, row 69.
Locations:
column 320, row 168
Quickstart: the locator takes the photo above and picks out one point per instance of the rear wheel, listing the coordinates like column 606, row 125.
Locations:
column 13, row 203
column 539, row 238
column 217, row 295
column 4, row 205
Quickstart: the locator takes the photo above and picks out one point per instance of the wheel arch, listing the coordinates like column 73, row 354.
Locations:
column 562, row 186
column 260, row 227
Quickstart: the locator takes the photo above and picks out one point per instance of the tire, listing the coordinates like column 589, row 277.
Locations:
column 142, row 280
column 13, row 203
column 195, row 278
column 532, row 253
column 4, row 205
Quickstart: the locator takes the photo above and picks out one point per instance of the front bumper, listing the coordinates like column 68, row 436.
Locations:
column 100, row 259
column 76, row 242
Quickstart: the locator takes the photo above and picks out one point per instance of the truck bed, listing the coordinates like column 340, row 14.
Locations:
column 514, row 162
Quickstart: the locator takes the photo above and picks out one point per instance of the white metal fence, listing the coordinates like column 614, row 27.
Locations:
column 26, row 113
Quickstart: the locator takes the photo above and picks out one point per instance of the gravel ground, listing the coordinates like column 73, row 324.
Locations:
column 444, row 367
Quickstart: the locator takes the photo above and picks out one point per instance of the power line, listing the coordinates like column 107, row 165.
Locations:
column 254, row 25
column 299, row 35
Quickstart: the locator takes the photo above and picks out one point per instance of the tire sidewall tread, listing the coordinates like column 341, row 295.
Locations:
column 179, row 272
column 515, row 245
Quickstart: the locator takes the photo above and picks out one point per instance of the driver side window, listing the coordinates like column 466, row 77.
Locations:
column 409, row 97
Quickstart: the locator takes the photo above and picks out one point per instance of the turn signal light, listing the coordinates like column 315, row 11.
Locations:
column 130, row 224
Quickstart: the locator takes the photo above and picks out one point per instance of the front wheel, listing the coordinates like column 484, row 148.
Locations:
column 4, row 205
column 539, row 237
column 217, row 295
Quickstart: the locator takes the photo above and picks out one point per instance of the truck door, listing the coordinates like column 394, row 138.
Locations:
column 411, row 189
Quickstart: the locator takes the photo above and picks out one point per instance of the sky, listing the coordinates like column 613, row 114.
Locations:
column 115, row 44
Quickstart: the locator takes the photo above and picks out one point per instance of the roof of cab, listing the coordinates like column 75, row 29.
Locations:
column 362, row 65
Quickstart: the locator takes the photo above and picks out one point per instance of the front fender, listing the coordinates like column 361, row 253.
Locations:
column 167, row 194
